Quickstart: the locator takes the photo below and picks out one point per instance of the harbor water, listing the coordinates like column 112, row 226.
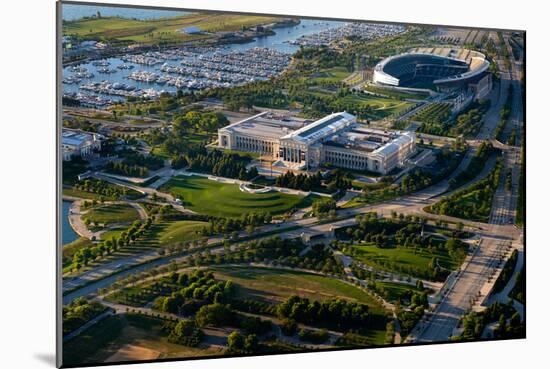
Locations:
column 69, row 235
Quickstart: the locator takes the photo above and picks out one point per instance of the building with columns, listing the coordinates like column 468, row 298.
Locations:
column 335, row 140
column 79, row 143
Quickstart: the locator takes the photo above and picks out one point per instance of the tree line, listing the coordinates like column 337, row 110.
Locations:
column 336, row 312
column 217, row 163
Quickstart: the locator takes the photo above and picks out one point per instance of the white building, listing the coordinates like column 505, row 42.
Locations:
column 79, row 143
column 336, row 139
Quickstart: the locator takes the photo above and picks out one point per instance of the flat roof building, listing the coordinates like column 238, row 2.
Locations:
column 79, row 143
column 336, row 139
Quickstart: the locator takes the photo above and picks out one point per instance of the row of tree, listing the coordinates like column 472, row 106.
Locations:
column 304, row 182
column 86, row 254
column 474, row 202
column 246, row 221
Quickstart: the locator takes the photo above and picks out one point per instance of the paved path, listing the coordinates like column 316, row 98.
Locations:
column 78, row 225
column 76, row 222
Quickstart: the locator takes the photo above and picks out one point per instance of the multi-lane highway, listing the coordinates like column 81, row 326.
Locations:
column 476, row 277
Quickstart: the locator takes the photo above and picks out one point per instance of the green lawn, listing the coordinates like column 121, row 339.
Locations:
column 113, row 232
column 381, row 106
column 164, row 233
column 275, row 285
column 389, row 258
column 398, row 94
column 160, row 30
column 227, row 200
column 112, row 213
column 180, row 231
column 335, row 74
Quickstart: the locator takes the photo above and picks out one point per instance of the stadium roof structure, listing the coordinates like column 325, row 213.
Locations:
column 441, row 66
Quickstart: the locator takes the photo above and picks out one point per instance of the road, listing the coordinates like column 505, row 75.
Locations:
column 475, row 280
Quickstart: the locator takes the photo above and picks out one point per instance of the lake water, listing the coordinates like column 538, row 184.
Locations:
column 73, row 11
column 280, row 40
column 69, row 235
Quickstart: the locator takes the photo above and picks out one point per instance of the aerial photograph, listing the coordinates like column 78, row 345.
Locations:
column 236, row 184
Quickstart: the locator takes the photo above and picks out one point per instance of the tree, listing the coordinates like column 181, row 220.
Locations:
column 235, row 341
column 186, row 333
column 251, row 343
column 215, row 314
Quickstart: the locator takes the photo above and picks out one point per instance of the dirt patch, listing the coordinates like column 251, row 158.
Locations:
column 130, row 352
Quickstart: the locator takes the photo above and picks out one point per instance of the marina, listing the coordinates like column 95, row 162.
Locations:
column 365, row 31
column 192, row 68
column 148, row 74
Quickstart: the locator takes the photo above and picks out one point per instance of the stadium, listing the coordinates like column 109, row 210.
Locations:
column 438, row 69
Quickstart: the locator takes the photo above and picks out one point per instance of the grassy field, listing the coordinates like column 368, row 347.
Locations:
column 112, row 213
column 398, row 94
column 386, row 258
column 180, row 231
column 113, row 232
column 159, row 30
column 275, row 285
column 126, row 337
column 382, row 107
column 335, row 74
column 162, row 234
column 227, row 200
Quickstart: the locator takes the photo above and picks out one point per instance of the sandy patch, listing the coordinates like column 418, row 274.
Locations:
column 132, row 352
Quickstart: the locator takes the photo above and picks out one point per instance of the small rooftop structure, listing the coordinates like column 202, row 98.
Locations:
column 266, row 124
column 322, row 128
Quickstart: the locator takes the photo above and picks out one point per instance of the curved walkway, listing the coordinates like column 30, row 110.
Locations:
column 78, row 225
